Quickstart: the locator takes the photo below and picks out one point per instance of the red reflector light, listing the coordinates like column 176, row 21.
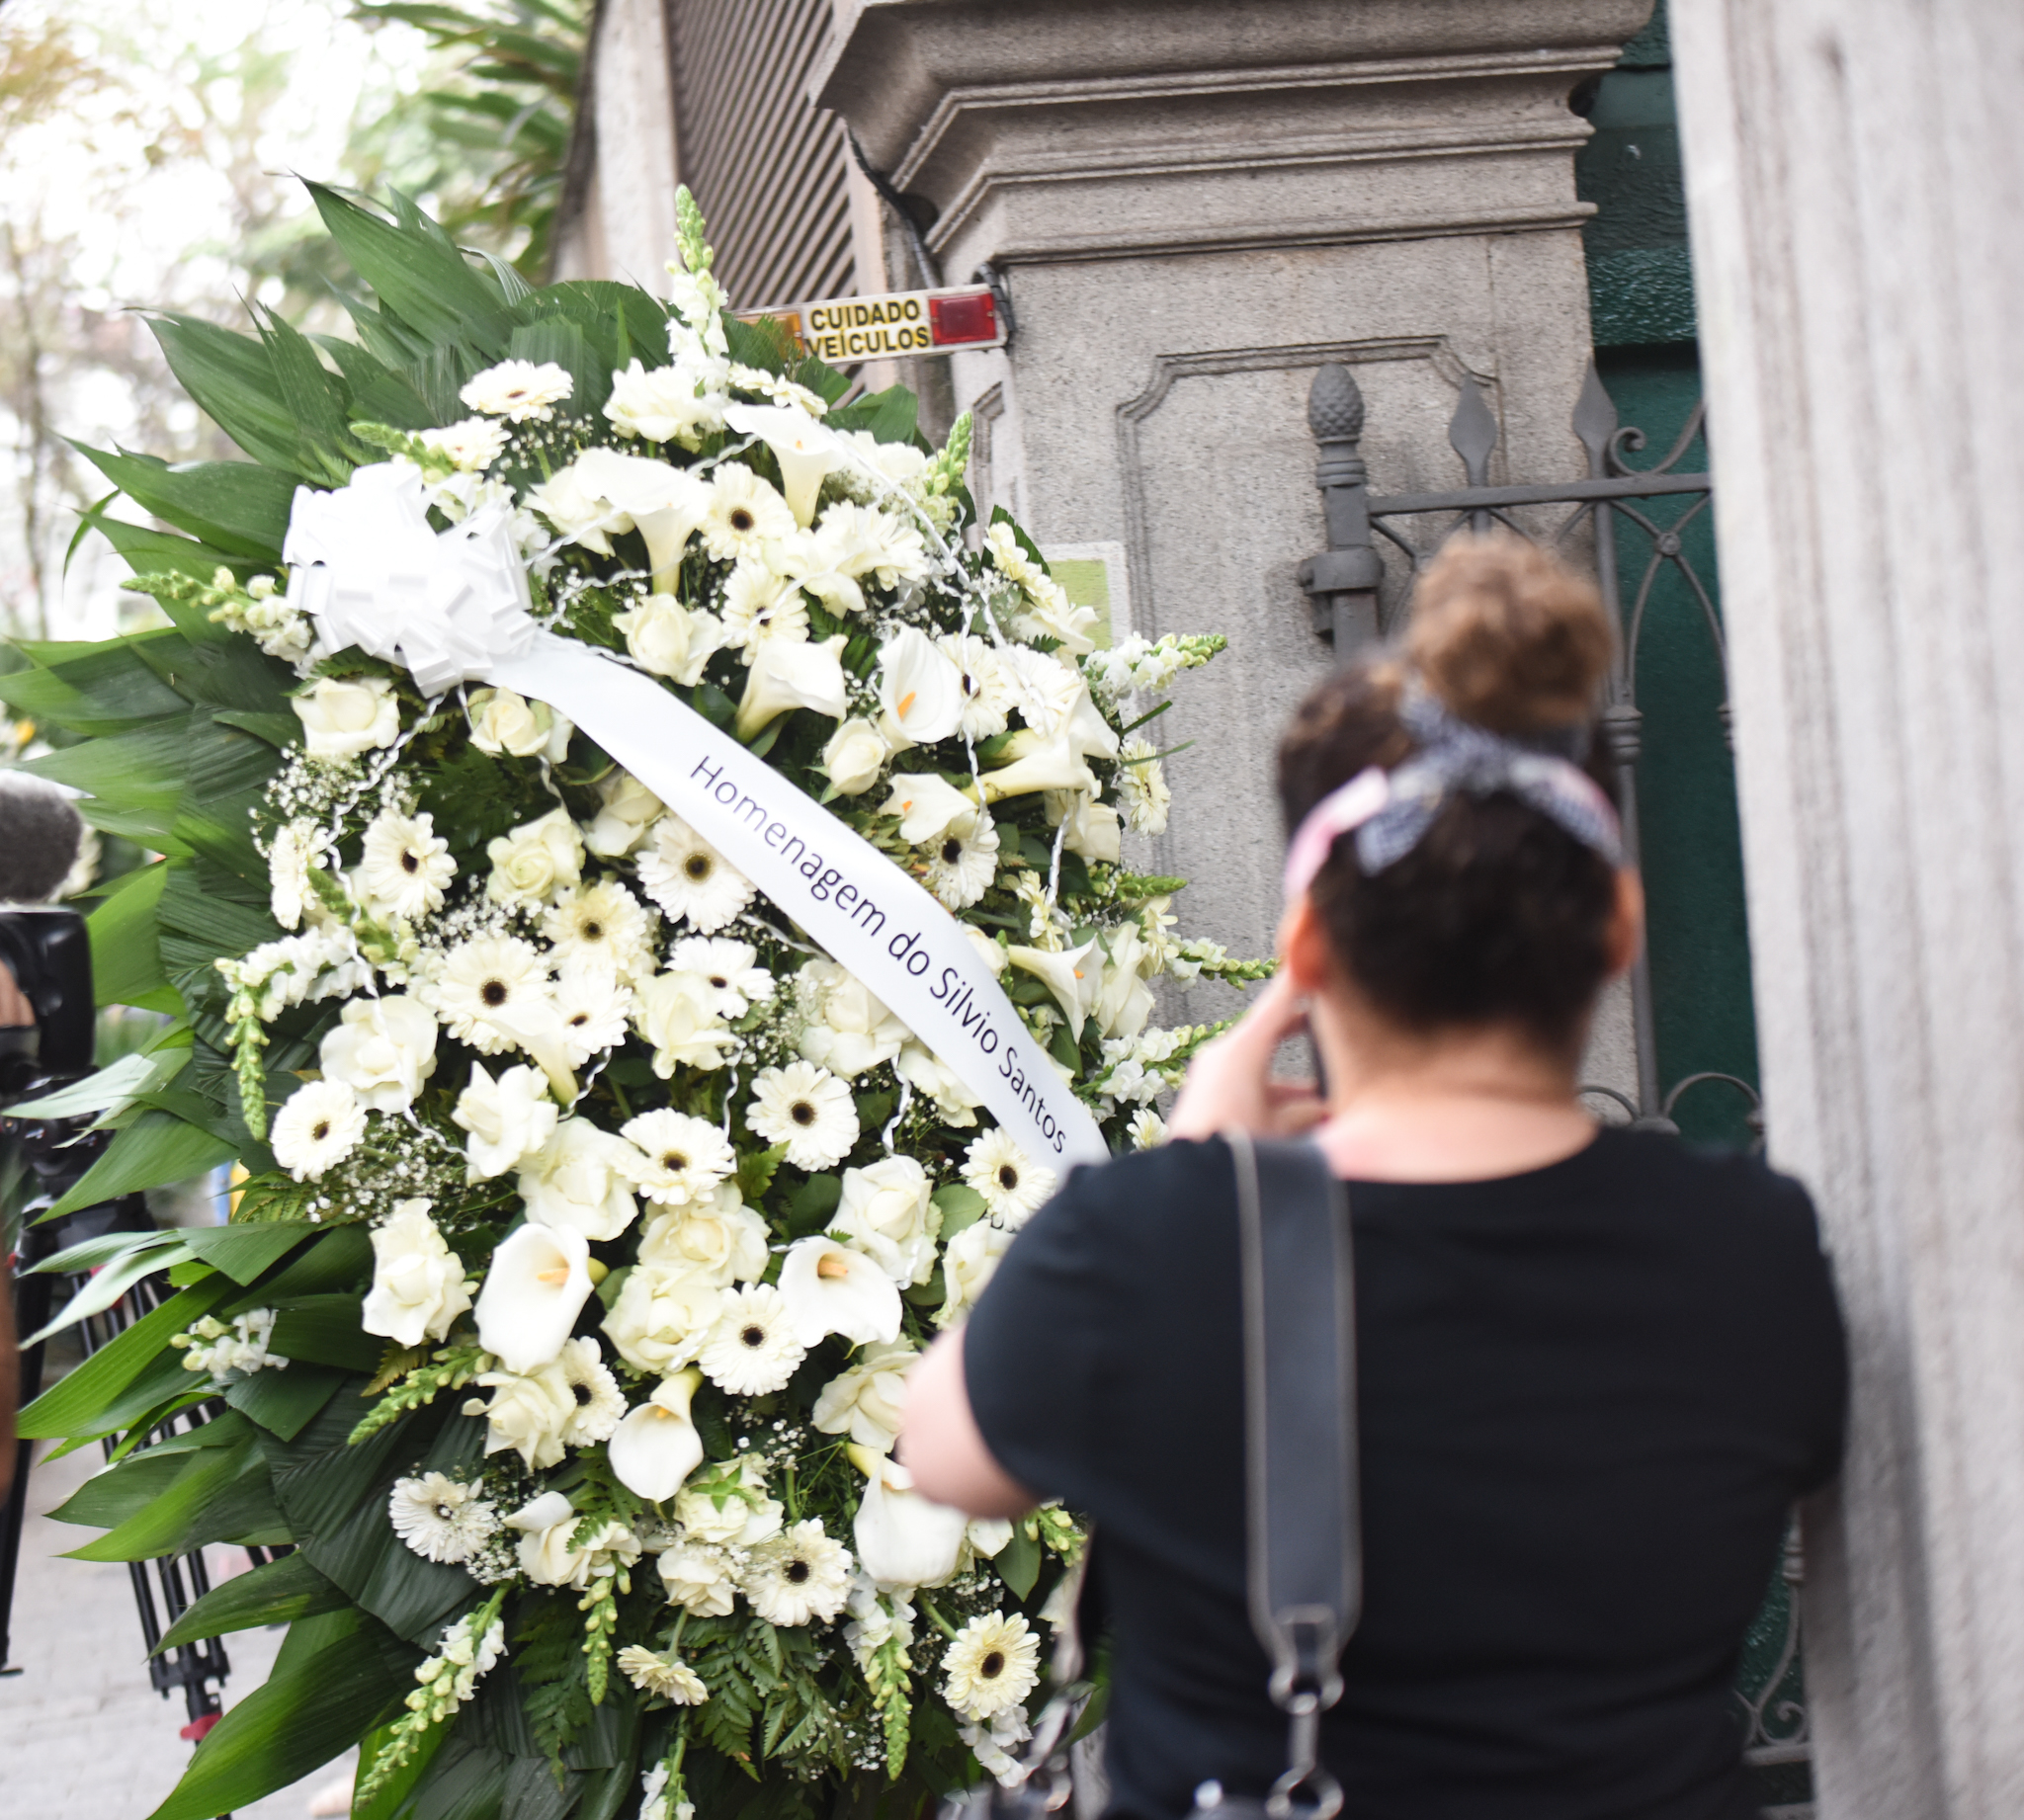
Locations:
column 958, row 319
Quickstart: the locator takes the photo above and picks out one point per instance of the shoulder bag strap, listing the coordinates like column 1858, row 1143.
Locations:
column 1304, row 1534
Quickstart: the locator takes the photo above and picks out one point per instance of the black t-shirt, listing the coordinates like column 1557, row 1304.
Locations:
column 1588, row 1397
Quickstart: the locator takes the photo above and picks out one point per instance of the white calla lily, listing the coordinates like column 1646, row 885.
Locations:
column 657, row 1447
column 1072, row 977
column 544, row 1512
column 1037, row 763
column 787, row 675
column 805, row 451
column 666, row 503
column 538, row 1284
column 920, row 688
column 927, row 805
column 903, row 1539
column 832, row 1289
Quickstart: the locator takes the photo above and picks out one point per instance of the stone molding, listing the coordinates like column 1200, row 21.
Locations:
column 1120, row 131
column 1168, row 368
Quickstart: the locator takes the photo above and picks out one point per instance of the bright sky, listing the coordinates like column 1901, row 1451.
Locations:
column 149, row 174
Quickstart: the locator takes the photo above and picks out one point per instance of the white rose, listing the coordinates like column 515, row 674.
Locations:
column 747, row 1522
column 549, row 1555
column 698, row 1580
column 927, row 1074
column 968, row 1262
column 677, row 1014
column 535, row 860
column 719, row 1239
column 506, row 1118
column 503, row 721
column 418, row 1285
column 630, row 808
column 580, row 1179
column 341, row 719
column 886, row 1214
column 662, row 1316
column 527, row 1414
column 666, row 637
column 1125, row 1001
column 854, row 757
column 865, row 1402
column 382, row 1049
column 855, row 1031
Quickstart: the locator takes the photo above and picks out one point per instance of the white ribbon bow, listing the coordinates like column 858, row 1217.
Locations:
column 445, row 605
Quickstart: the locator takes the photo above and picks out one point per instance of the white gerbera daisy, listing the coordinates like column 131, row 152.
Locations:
column 440, row 1519
column 801, row 1576
column 603, row 922
column 594, row 1007
column 600, row 1404
column 993, row 1663
column 1143, row 787
column 745, row 513
column 470, row 447
column 987, row 695
column 752, row 1349
column 669, row 1677
column 683, row 1157
column 321, row 1125
column 758, row 604
column 688, row 877
column 964, row 862
column 807, row 1109
column 487, row 983
column 729, row 968
column 406, row 868
column 519, row 390
column 1013, row 1186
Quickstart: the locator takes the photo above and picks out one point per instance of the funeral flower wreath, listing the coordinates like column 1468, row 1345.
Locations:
column 594, row 1204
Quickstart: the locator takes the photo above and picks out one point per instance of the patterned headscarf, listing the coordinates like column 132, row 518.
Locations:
column 1389, row 812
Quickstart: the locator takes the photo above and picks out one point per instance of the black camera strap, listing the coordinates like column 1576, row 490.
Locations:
column 1304, row 1530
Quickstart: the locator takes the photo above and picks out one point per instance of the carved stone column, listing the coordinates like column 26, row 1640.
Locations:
column 1855, row 184
column 1195, row 204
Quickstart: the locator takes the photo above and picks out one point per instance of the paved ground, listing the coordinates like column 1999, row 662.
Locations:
column 82, row 1734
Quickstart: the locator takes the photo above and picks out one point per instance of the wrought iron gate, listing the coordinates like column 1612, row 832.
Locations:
column 1632, row 525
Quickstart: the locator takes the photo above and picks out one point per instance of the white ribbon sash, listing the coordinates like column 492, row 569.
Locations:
column 469, row 616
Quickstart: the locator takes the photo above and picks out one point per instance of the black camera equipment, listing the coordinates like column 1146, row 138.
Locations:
column 48, row 950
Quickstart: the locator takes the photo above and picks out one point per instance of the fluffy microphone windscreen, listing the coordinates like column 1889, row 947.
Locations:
column 39, row 834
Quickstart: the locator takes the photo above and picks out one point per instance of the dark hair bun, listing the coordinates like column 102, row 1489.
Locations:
column 1508, row 637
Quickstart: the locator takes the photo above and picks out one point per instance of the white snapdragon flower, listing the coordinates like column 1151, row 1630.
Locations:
column 533, row 862
column 343, row 718
column 383, row 1049
column 418, row 1284
column 297, row 851
column 664, row 404
column 1147, row 1129
column 1143, row 786
column 885, row 1213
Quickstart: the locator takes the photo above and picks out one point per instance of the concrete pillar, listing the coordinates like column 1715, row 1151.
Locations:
column 1195, row 204
column 1856, row 193
column 621, row 224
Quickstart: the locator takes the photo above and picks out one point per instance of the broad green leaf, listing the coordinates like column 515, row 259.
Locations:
column 233, row 382
column 105, row 691
column 326, row 1330
column 153, row 1152
column 286, row 1402
column 322, row 1701
column 113, row 1280
column 141, row 771
column 422, row 278
column 111, row 1498
column 93, row 1252
column 125, row 951
column 317, row 400
column 341, row 1259
column 174, row 1518
column 277, row 1593
column 69, row 1404
column 563, row 343
column 110, row 1089
column 1018, row 1562
column 466, row 1781
column 320, row 1480
column 230, row 673
column 379, row 394
column 279, row 730
column 157, row 553
column 234, row 505
column 961, row 1207
column 414, row 1596
column 244, row 1253
column 887, row 415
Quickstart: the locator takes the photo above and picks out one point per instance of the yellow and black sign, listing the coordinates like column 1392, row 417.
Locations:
column 846, row 330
